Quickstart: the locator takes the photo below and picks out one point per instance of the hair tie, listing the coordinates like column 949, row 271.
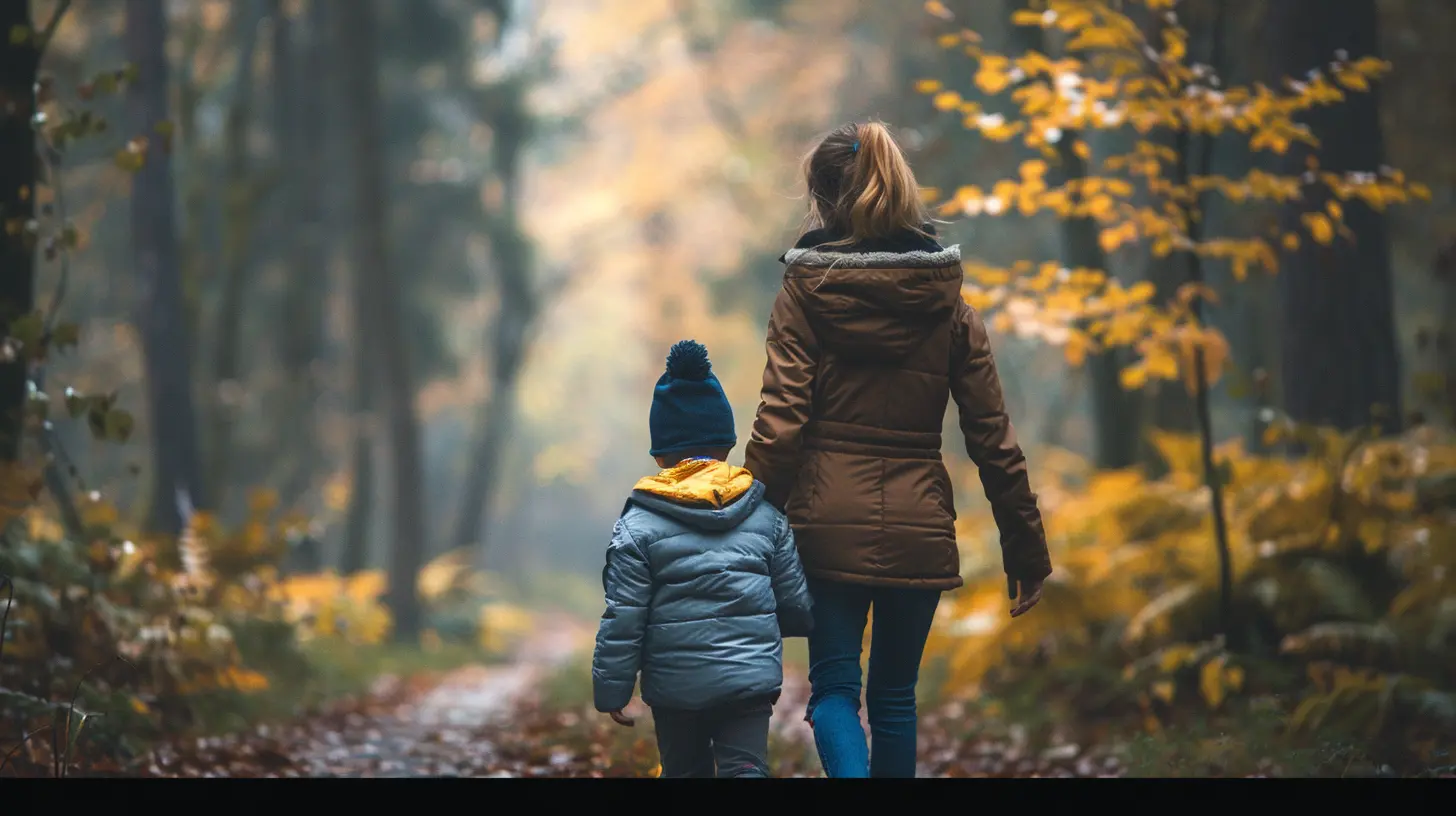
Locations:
column 854, row 148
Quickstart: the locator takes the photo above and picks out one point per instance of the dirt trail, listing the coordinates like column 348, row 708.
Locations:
column 435, row 734
column 488, row 721
column 401, row 731
column 475, row 696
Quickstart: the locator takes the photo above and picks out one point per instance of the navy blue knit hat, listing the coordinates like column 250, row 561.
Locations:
column 689, row 409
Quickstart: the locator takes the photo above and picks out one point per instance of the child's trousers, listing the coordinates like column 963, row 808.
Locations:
column 724, row 741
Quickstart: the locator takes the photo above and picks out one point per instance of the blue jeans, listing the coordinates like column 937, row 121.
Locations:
column 897, row 640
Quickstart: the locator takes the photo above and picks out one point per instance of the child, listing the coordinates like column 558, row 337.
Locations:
column 702, row 584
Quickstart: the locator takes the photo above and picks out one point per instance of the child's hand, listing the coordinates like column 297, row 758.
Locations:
column 621, row 719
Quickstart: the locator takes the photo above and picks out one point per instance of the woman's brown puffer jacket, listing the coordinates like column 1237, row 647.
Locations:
column 866, row 346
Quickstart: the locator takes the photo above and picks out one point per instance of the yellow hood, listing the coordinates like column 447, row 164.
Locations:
column 699, row 482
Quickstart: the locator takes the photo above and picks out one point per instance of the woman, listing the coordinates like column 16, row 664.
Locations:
column 868, row 340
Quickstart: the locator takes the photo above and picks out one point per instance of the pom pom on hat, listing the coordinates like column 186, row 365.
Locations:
column 688, row 360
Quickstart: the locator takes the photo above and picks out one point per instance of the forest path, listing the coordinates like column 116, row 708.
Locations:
column 496, row 721
column 400, row 729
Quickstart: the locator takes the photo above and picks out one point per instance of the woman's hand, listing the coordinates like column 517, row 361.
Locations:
column 1030, row 594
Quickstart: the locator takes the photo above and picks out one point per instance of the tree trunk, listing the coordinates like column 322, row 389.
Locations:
column 195, row 178
column 492, row 429
column 515, row 318
column 381, row 334
column 338, row 202
column 1187, row 168
column 1115, row 411
column 1166, row 404
column 166, row 348
column 240, row 199
column 354, row 555
column 18, row 170
column 301, row 125
column 1442, row 398
column 1340, row 364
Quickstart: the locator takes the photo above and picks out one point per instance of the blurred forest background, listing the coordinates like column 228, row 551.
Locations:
column 332, row 327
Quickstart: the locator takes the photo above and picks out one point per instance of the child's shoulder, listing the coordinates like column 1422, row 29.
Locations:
column 644, row 523
column 765, row 521
column 634, row 515
column 770, row 513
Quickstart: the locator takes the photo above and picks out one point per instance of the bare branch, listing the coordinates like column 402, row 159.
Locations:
column 43, row 39
column 51, row 160
column 70, row 710
column 5, row 760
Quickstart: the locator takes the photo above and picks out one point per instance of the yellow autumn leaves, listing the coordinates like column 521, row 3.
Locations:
column 327, row 605
column 228, row 678
column 1093, row 197
column 1084, row 312
column 350, row 609
column 1216, row 678
column 1078, row 309
column 1112, row 76
column 1134, row 567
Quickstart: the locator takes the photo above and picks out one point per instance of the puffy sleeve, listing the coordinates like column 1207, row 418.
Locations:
column 991, row 444
column 785, row 401
column 627, row 582
column 791, row 590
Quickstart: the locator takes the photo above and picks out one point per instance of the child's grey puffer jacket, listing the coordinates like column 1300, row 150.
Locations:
column 698, row 601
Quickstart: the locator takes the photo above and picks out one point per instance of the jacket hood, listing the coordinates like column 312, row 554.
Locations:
column 705, row 495
column 877, row 301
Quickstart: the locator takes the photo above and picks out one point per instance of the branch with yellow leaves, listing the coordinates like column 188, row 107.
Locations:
column 1114, row 77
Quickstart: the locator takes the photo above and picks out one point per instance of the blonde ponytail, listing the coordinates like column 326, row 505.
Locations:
column 860, row 185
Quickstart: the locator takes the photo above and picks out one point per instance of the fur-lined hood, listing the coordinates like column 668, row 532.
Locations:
column 876, row 299
column 907, row 250
column 911, row 259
